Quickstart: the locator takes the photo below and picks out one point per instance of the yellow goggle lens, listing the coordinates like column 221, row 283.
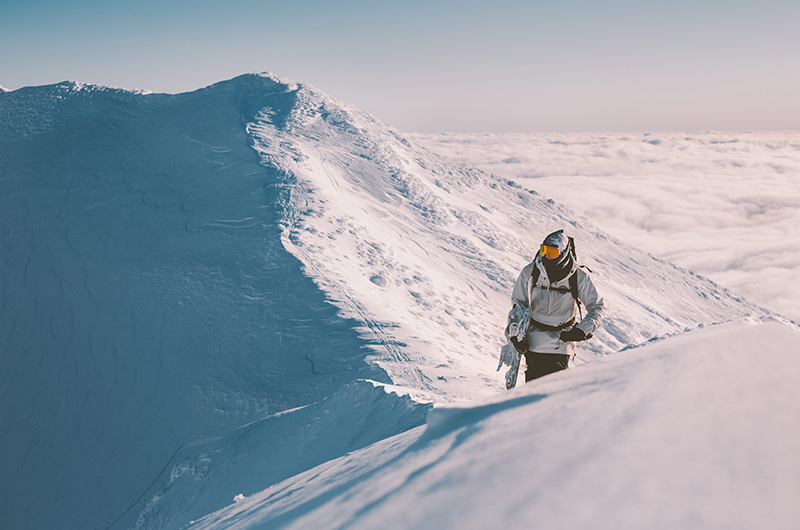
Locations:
column 549, row 252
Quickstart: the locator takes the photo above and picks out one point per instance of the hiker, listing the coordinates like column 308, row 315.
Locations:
column 546, row 301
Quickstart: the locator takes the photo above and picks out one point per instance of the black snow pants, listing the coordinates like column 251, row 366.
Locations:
column 540, row 364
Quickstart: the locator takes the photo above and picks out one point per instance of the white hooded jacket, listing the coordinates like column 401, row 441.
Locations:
column 554, row 308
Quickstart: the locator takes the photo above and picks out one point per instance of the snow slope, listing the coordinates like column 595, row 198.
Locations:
column 147, row 301
column 722, row 204
column 697, row 431
column 168, row 264
column 424, row 251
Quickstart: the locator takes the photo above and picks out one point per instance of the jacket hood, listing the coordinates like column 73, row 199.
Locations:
column 561, row 267
column 557, row 240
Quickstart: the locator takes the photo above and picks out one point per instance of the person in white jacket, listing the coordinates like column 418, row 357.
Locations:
column 551, row 287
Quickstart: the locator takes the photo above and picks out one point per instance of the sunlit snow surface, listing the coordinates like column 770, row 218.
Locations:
column 424, row 251
column 724, row 205
column 699, row 431
column 167, row 344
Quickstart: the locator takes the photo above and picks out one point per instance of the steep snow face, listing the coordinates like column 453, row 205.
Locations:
column 425, row 252
column 147, row 299
column 697, row 431
column 207, row 475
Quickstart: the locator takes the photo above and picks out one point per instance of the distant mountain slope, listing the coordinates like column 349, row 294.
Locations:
column 425, row 251
column 150, row 307
column 704, row 201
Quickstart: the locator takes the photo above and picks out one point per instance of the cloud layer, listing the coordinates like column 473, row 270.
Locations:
column 724, row 205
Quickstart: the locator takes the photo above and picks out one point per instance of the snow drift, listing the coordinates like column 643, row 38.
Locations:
column 168, row 268
column 699, row 431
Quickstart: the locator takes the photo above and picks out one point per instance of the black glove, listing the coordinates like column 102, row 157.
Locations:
column 521, row 346
column 575, row 334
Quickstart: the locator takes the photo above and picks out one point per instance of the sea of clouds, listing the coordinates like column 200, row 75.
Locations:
column 724, row 205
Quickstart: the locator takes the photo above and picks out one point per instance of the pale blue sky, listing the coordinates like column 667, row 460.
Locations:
column 428, row 66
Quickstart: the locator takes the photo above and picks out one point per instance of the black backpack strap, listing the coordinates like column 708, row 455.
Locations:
column 534, row 278
column 573, row 285
column 573, row 288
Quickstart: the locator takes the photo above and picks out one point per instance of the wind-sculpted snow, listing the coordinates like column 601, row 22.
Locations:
column 150, row 308
column 146, row 297
column 699, row 431
column 208, row 475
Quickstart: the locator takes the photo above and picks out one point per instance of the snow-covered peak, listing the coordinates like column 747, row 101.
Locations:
column 29, row 111
column 167, row 267
column 145, row 293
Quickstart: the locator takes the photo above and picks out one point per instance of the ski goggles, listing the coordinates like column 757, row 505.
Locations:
column 549, row 252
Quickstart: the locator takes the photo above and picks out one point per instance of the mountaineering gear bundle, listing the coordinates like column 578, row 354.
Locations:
column 509, row 356
column 519, row 318
column 553, row 288
column 516, row 332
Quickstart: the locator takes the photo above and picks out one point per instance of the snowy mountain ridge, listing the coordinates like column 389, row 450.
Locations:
column 168, row 263
column 465, row 235
column 34, row 110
